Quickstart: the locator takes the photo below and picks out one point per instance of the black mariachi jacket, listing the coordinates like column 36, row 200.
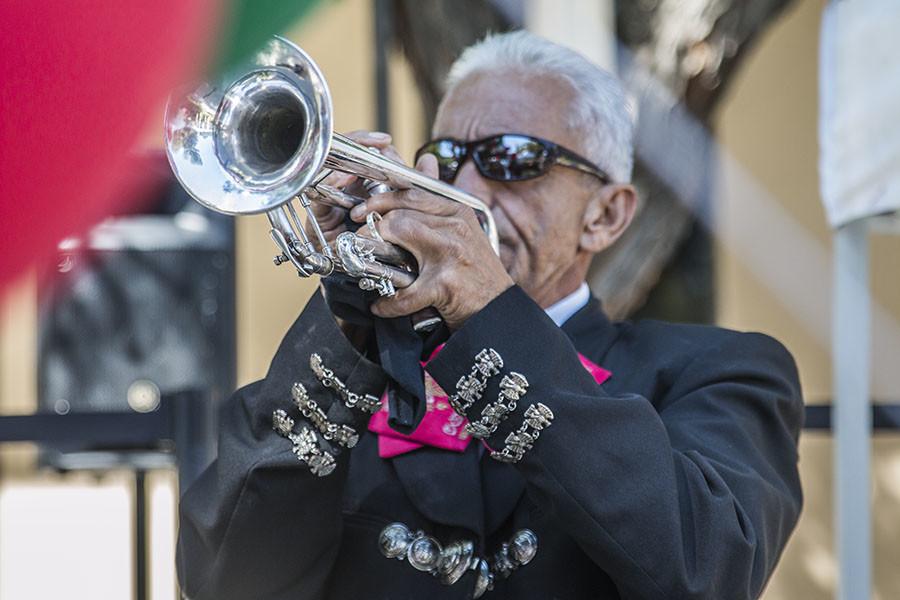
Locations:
column 676, row 478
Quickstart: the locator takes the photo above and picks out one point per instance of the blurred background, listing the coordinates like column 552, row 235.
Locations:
column 135, row 327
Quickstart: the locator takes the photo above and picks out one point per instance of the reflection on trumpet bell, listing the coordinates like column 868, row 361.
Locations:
column 262, row 140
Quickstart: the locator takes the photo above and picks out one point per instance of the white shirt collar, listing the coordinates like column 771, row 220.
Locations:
column 561, row 310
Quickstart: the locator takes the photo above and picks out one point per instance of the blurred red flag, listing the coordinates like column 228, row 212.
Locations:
column 79, row 82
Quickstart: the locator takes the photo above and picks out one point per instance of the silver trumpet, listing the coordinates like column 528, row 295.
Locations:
column 262, row 141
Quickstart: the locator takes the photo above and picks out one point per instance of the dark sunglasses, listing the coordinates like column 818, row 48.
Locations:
column 506, row 157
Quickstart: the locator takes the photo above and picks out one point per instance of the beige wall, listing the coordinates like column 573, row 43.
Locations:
column 767, row 127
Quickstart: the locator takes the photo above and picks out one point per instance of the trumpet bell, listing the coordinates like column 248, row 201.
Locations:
column 250, row 143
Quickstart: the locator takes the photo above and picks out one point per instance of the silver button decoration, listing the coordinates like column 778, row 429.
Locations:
column 451, row 562
column 282, row 423
column 426, row 554
column 503, row 563
column 523, row 546
column 365, row 402
column 320, row 463
column 517, row 552
column 423, row 553
column 342, row 434
column 455, row 560
column 537, row 418
column 512, row 388
column 305, row 444
column 394, row 540
column 470, row 387
column 484, row 579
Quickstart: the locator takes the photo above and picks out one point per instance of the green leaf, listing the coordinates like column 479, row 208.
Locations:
column 252, row 22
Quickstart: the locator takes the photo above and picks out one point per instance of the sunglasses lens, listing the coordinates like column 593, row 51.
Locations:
column 512, row 158
column 448, row 153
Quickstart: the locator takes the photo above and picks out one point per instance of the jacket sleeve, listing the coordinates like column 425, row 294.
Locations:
column 258, row 523
column 693, row 497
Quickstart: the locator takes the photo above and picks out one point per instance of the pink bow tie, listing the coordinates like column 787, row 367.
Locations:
column 441, row 427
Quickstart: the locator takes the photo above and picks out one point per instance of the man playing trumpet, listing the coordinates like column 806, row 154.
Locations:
column 554, row 454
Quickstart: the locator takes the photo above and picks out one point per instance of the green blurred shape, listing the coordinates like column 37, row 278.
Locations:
column 250, row 23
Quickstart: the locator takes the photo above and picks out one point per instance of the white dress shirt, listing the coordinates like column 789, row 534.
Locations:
column 561, row 310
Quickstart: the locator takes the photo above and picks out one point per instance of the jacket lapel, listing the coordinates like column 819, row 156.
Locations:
column 591, row 331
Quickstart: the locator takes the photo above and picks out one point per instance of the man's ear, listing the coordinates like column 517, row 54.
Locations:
column 607, row 216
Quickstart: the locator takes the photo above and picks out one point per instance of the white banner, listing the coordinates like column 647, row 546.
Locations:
column 859, row 113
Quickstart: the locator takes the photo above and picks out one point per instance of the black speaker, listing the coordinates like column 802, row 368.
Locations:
column 141, row 307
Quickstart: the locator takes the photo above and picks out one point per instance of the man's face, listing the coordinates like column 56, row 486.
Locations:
column 539, row 221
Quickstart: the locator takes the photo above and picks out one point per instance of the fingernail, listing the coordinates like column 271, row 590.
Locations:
column 358, row 212
column 379, row 135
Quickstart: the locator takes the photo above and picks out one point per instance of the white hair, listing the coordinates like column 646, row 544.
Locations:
column 601, row 108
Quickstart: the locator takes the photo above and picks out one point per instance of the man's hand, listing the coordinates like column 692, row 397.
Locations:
column 459, row 272
column 332, row 221
column 331, row 218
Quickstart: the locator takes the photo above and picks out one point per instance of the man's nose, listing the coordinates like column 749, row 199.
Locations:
column 470, row 180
